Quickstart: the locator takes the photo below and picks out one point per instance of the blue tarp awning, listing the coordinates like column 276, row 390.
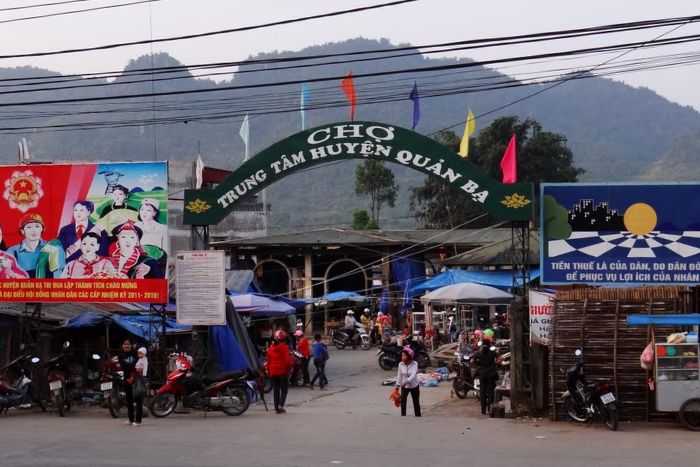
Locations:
column 137, row 325
column 690, row 319
column 499, row 279
column 261, row 307
column 343, row 295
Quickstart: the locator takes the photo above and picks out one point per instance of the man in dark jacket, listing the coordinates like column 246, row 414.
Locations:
column 127, row 360
column 487, row 370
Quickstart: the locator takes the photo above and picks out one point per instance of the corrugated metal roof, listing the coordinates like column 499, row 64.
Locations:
column 331, row 236
column 495, row 254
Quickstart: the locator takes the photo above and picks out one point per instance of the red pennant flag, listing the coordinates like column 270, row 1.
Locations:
column 349, row 89
column 508, row 163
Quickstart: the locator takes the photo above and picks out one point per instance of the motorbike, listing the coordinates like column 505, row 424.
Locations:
column 585, row 402
column 389, row 355
column 22, row 392
column 112, row 385
column 60, row 383
column 341, row 338
column 227, row 392
column 464, row 381
column 297, row 378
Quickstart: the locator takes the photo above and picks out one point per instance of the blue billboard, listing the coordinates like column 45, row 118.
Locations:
column 620, row 233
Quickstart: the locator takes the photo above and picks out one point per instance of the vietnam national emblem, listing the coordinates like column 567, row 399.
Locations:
column 23, row 190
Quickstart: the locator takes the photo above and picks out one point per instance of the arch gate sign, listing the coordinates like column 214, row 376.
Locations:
column 359, row 140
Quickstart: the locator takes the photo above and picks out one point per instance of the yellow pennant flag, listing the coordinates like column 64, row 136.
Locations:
column 469, row 129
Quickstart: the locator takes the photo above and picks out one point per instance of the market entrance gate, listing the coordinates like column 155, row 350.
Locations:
column 382, row 142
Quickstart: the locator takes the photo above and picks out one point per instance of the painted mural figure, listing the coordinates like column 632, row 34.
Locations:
column 71, row 234
column 9, row 269
column 128, row 258
column 3, row 246
column 89, row 263
column 154, row 233
column 119, row 211
column 33, row 254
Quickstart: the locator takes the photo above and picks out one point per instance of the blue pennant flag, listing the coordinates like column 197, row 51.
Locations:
column 416, row 104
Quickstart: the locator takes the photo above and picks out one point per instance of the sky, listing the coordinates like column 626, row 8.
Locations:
column 422, row 22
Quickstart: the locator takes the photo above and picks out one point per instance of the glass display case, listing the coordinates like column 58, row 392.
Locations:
column 677, row 375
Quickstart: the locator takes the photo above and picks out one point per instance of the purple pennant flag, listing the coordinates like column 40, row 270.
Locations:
column 416, row 104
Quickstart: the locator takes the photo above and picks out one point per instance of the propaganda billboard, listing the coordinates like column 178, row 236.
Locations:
column 620, row 233
column 84, row 232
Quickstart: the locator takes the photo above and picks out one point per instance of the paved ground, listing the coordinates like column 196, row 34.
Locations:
column 353, row 424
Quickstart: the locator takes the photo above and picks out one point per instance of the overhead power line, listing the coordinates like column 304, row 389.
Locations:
column 210, row 33
column 73, row 12
column 42, row 5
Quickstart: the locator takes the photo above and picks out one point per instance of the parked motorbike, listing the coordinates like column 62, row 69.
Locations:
column 341, row 338
column 389, row 355
column 60, row 384
column 21, row 392
column 112, row 385
column 585, row 402
column 227, row 392
column 464, row 381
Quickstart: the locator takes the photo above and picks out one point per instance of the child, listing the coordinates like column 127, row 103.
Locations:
column 89, row 263
column 320, row 355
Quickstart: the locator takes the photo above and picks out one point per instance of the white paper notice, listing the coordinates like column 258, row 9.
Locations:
column 200, row 292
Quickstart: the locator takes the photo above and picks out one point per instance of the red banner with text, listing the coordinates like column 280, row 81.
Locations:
column 86, row 290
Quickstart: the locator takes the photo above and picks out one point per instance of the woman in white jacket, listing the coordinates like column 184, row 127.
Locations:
column 407, row 380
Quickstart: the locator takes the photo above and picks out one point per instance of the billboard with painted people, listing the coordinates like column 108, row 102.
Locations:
column 84, row 232
column 620, row 233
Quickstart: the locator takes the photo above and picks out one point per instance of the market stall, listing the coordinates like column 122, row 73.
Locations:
column 676, row 373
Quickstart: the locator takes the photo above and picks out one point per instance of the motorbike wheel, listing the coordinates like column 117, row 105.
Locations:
column 113, row 403
column 609, row 416
column 385, row 363
column 339, row 345
column 423, row 361
column 58, row 404
column 240, row 399
column 574, row 411
column 163, row 405
column 690, row 414
column 365, row 344
column 459, row 388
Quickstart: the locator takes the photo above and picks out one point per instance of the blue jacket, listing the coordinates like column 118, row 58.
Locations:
column 319, row 351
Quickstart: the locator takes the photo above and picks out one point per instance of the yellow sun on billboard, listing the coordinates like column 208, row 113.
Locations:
column 640, row 218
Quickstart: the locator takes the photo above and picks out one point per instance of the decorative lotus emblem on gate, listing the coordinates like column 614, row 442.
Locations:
column 198, row 206
column 515, row 201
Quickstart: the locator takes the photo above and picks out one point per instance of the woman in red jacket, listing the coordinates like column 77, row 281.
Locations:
column 279, row 364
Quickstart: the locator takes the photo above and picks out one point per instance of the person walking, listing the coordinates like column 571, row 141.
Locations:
column 487, row 371
column 407, row 381
column 320, row 355
column 305, row 350
column 127, row 360
column 279, row 364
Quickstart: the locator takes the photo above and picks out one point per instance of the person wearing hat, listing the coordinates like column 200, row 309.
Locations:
column 128, row 258
column 351, row 327
column 305, row 350
column 154, row 233
column 407, row 381
column 34, row 251
column 487, row 371
column 366, row 320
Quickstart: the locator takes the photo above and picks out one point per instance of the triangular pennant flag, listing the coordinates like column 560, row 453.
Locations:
column 508, row 163
column 469, row 128
column 349, row 89
column 245, row 134
column 302, row 105
column 416, row 105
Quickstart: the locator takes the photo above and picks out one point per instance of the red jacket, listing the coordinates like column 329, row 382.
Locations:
column 303, row 347
column 279, row 362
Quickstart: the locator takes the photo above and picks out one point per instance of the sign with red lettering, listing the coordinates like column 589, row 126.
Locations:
column 541, row 314
column 84, row 232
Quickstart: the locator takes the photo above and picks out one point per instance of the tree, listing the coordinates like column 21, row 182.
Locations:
column 374, row 179
column 542, row 156
column 361, row 221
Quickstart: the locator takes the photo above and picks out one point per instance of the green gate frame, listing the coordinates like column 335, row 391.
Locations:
column 359, row 140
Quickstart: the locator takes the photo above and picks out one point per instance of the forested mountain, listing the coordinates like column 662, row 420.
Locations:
column 616, row 132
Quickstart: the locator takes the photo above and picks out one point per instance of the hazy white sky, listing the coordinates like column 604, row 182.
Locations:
column 423, row 22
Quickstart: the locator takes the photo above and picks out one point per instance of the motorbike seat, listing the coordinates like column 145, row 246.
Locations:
column 222, row 376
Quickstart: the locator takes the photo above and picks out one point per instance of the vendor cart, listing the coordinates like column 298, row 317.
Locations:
column 676, row 372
